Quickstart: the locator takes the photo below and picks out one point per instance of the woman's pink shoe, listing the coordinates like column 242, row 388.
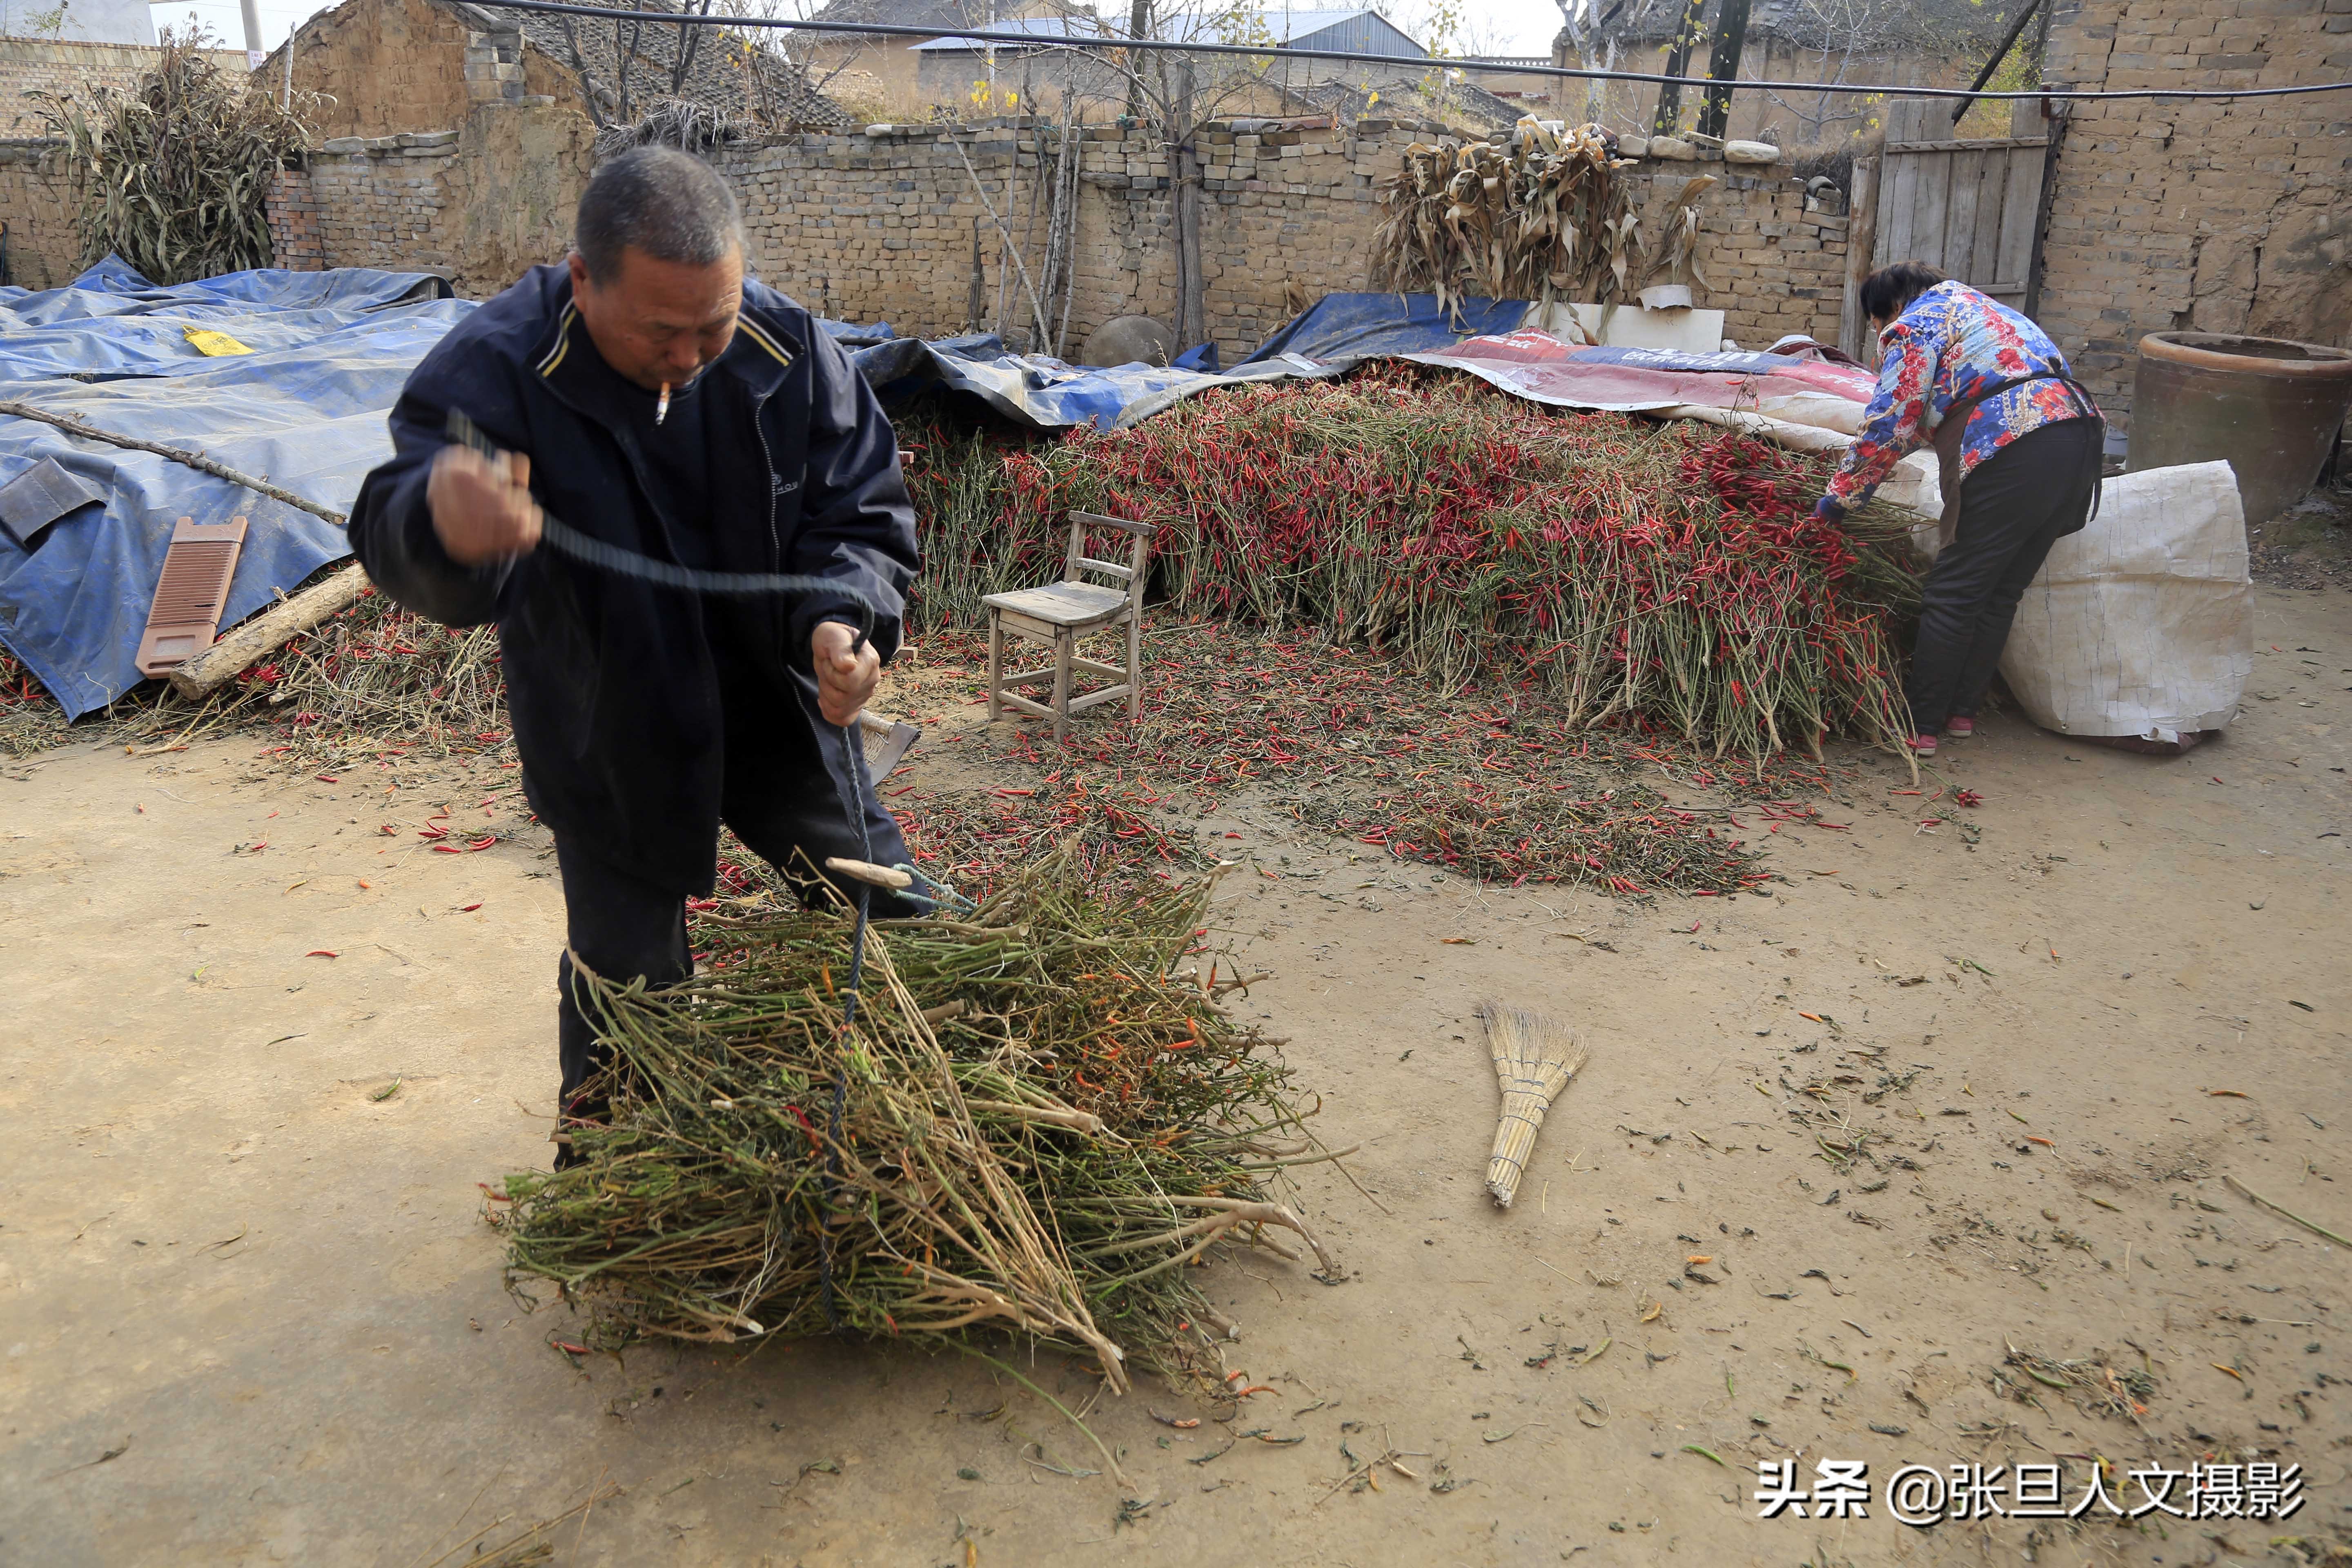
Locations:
column 1959, row 729
column 1925, row 745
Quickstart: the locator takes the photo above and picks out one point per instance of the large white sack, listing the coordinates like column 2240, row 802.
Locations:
column 2142, row 625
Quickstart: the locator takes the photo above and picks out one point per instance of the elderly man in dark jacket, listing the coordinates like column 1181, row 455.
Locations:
column 649, row 396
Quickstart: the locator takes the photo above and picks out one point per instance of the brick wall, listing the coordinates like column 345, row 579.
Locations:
column 57, row 65
column 880, row 228
column 295, row 243
column 2213, row 215
column 42, row 247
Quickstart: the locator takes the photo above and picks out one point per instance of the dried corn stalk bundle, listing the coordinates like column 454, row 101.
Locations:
column 173, row 175
column 1534, row 1060
column 1547, row 217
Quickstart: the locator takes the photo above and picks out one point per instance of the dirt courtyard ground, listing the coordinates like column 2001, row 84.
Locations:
column 249, row 1312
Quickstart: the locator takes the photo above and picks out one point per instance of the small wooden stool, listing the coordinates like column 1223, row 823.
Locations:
column 1059, row 614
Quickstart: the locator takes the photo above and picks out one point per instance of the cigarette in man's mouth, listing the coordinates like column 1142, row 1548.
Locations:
column 661, row 408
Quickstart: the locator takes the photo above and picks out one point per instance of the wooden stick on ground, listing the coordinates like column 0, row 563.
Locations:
column 235, row 653
column 2259, row 1201
column 72, row 425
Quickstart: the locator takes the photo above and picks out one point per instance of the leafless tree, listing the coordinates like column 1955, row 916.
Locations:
column 1586, row 25
column 1175, row 93
column 689, row 40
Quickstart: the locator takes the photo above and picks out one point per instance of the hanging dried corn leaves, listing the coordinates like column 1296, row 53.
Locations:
column 1547, row 217
column 1678, row 254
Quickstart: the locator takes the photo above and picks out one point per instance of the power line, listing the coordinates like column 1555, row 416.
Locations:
column 1417, row 62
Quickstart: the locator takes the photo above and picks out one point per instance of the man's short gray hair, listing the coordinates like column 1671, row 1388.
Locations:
column 667, row 203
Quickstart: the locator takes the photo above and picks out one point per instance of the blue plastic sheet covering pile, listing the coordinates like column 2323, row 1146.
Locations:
column 305, row 410
column 1332, row 336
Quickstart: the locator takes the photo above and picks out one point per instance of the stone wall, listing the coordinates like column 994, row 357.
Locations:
column 881, row 228
column 478, row 204
column 57, row 65
column 2213, row 215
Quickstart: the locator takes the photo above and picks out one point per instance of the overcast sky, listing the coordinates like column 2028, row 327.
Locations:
column 1497, row 26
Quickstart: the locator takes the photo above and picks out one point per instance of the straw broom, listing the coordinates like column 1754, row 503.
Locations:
column 1534, row 1060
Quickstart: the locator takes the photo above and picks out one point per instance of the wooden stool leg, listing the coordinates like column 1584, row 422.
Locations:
column 1065, row 647
column 1135, row 666
column 995, row 666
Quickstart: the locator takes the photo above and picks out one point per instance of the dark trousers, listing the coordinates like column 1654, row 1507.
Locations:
column 2015, row 506
column 623, row 926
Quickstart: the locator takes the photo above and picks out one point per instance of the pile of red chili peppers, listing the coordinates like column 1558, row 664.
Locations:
column 1673, row 572
column 1489, row 781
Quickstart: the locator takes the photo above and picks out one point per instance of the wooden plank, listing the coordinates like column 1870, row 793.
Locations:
column 1967, row 145
column 1042, row 631
column 2018, row 210
column 233, row 654
column 1855, row 335
column 1111, row 568
column 1964, row 175
column 1992, row 189
column 1107, row 694
column 1140, row 530
column 1020, row 704
column 1931, row 199
column 1061, row 604
column 1900, row 185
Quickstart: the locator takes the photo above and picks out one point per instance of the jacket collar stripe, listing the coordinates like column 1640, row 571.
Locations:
column 752, row 329
column 562, row 342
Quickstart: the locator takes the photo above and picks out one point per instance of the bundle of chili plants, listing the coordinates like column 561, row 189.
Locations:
column 31, row 719
column 1040, row 1118
column 1671, row 571
column 376, row 672
column 367, row 677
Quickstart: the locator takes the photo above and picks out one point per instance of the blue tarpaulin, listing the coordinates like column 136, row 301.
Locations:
column 330, row 351
column 1338, row 330
column 1036, row 389
column 305, row 410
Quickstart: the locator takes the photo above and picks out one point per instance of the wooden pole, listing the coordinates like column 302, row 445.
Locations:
column 2050, row 156
column 1861, row 244
column 233, row 655
column 73, row 426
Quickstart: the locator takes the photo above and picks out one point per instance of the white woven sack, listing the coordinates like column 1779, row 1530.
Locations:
column 2142, row 625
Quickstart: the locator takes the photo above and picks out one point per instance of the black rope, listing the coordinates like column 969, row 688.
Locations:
column 623, row 562
column 854, row 805
column 1417, row 62
column 605, row 557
